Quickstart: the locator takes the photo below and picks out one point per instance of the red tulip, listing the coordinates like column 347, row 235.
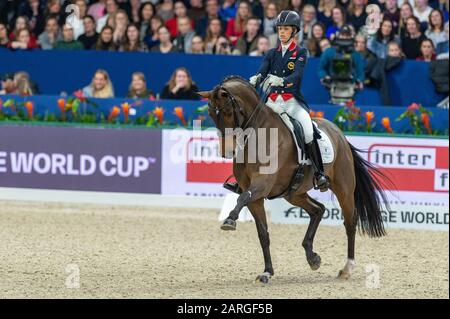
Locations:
column 79, row 95
column 413, row 107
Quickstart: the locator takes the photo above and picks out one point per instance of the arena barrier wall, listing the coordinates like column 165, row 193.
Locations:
column 137, row 166
column 67, row 71
column 45, row 104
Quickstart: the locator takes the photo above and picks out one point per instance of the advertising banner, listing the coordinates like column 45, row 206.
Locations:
column 80, row 158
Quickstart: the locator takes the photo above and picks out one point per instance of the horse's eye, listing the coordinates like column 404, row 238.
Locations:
column 224, row 94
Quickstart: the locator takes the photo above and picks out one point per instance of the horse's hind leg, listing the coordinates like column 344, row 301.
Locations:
column 315, row 210
column 259, row 214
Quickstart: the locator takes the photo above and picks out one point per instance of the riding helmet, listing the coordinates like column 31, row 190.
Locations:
column 289, row 18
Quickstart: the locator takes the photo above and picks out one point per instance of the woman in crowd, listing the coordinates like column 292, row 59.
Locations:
column 262, row 46
column 120, row 27
column 317, row 34
column 361, row 48
column 180, row 11
column 138, row 87
column 180, row 86
column 165, row 45
column 295, row 5
column 146, row 12
column 270, row 18
column 413, row 38
column 236, row 25
column 435, row 31
column 165, row 9
column 324, row 12
column 308, row 20
column 427, row 51
column 357, row 15
column 151, row 38
column 197, row 45
column 53, row 8
column 23, row 84
column 100, row 87
column 338, row 16
column 213, row 33
column 378, row 42
column 3, row 36
column 406, row 11
column 394, row 50
column 105, row 40
column 23, row 41
column 222, row 46
column 133, row 40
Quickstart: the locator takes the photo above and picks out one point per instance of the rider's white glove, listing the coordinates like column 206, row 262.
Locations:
column 273, row 80
column 255, row 79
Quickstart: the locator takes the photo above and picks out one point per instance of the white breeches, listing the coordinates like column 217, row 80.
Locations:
column 295, row 110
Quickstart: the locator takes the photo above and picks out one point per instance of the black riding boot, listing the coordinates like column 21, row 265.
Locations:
column 321, row 181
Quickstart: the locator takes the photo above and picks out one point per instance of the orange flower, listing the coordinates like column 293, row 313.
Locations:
column 426, row 122
column 159, row 113
column 369, row 117
column 115, row 111
column 30, row 107
column 62, row 104
column 312, row 113
column 178, row 111
column 386, row 122
column 126, row 111
column 320, row 115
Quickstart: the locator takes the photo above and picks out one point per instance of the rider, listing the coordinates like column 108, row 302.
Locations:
column 283, row 67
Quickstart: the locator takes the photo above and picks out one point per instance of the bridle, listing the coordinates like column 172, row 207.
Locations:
column 231, row 100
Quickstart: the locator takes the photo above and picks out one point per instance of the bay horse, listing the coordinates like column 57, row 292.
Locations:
column 235, row 103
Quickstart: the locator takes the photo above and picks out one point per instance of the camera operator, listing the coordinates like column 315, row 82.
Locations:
column 342, row 64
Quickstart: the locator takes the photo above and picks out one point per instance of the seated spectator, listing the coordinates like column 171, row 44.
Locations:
column 262, row 46
column 324, row 45
column 338, row 17
column 151, row 39
column 394, row 50
column 53, row 8
column 180, row 11
column 180, row 87
column 34, row 11
column 165, row 45
column 100, row 87
column 228, row 10
column 247, row 42
column 183, row 40
column 427, row 52
column 165, row 9
column 212, row 12
column 213, row 33
column 197, row 45
column 270, row 18
column 295, row 5
column 257, row 9
column 23, row 41
column 8, row 84
column 317, row 34
column 392, row 12
column 196, row 10
column 24, row 85
column 435, row 31
column 325, row 12
column 361, row 48
column 236, row 25
column 222, row 46
column 22, row 23
column 442, row 47
column 121, row 22
column 111, row 8
column 90, row 37
column 105, row 40
column 133, row 41
column 138, row 87
column 378, row 42
column 326, row 60
column 96, row 10
column 406, row 11
column 3, row 36
column 422, row 10
column 76, row 20
column 357, row 15
column 132, row 8
column 413, row 38
column 146, row 12
column 68, row 41
column 51, row 35
column 307, row 21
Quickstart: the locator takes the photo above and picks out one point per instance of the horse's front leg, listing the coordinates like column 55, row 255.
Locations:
column 259, row 188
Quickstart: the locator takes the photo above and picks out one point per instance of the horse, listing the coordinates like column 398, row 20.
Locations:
column 357, row 184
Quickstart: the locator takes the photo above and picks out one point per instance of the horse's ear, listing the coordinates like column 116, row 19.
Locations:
column 205, row 94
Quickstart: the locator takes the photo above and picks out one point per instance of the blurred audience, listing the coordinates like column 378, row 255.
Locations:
column 100, row 87
column 180, row 86
column 138, row 87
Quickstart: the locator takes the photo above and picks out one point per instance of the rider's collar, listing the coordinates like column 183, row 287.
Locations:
column 291, row 47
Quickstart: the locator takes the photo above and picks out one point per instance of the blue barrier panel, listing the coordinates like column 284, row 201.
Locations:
column 68, row 71
column 49, row 104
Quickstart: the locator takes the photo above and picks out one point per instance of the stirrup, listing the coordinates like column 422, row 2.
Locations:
column 324, row 185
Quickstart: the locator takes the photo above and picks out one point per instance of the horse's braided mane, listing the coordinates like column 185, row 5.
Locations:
column 240, row 79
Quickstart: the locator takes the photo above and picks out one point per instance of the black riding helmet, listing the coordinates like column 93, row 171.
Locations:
column 289, row 18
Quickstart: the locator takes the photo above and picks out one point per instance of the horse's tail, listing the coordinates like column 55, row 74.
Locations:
column 367, row 195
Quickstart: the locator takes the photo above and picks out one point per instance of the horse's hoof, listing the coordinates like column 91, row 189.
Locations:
column 314, row 262
column 343, row 275
column 228, row 224
column 263, row 279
